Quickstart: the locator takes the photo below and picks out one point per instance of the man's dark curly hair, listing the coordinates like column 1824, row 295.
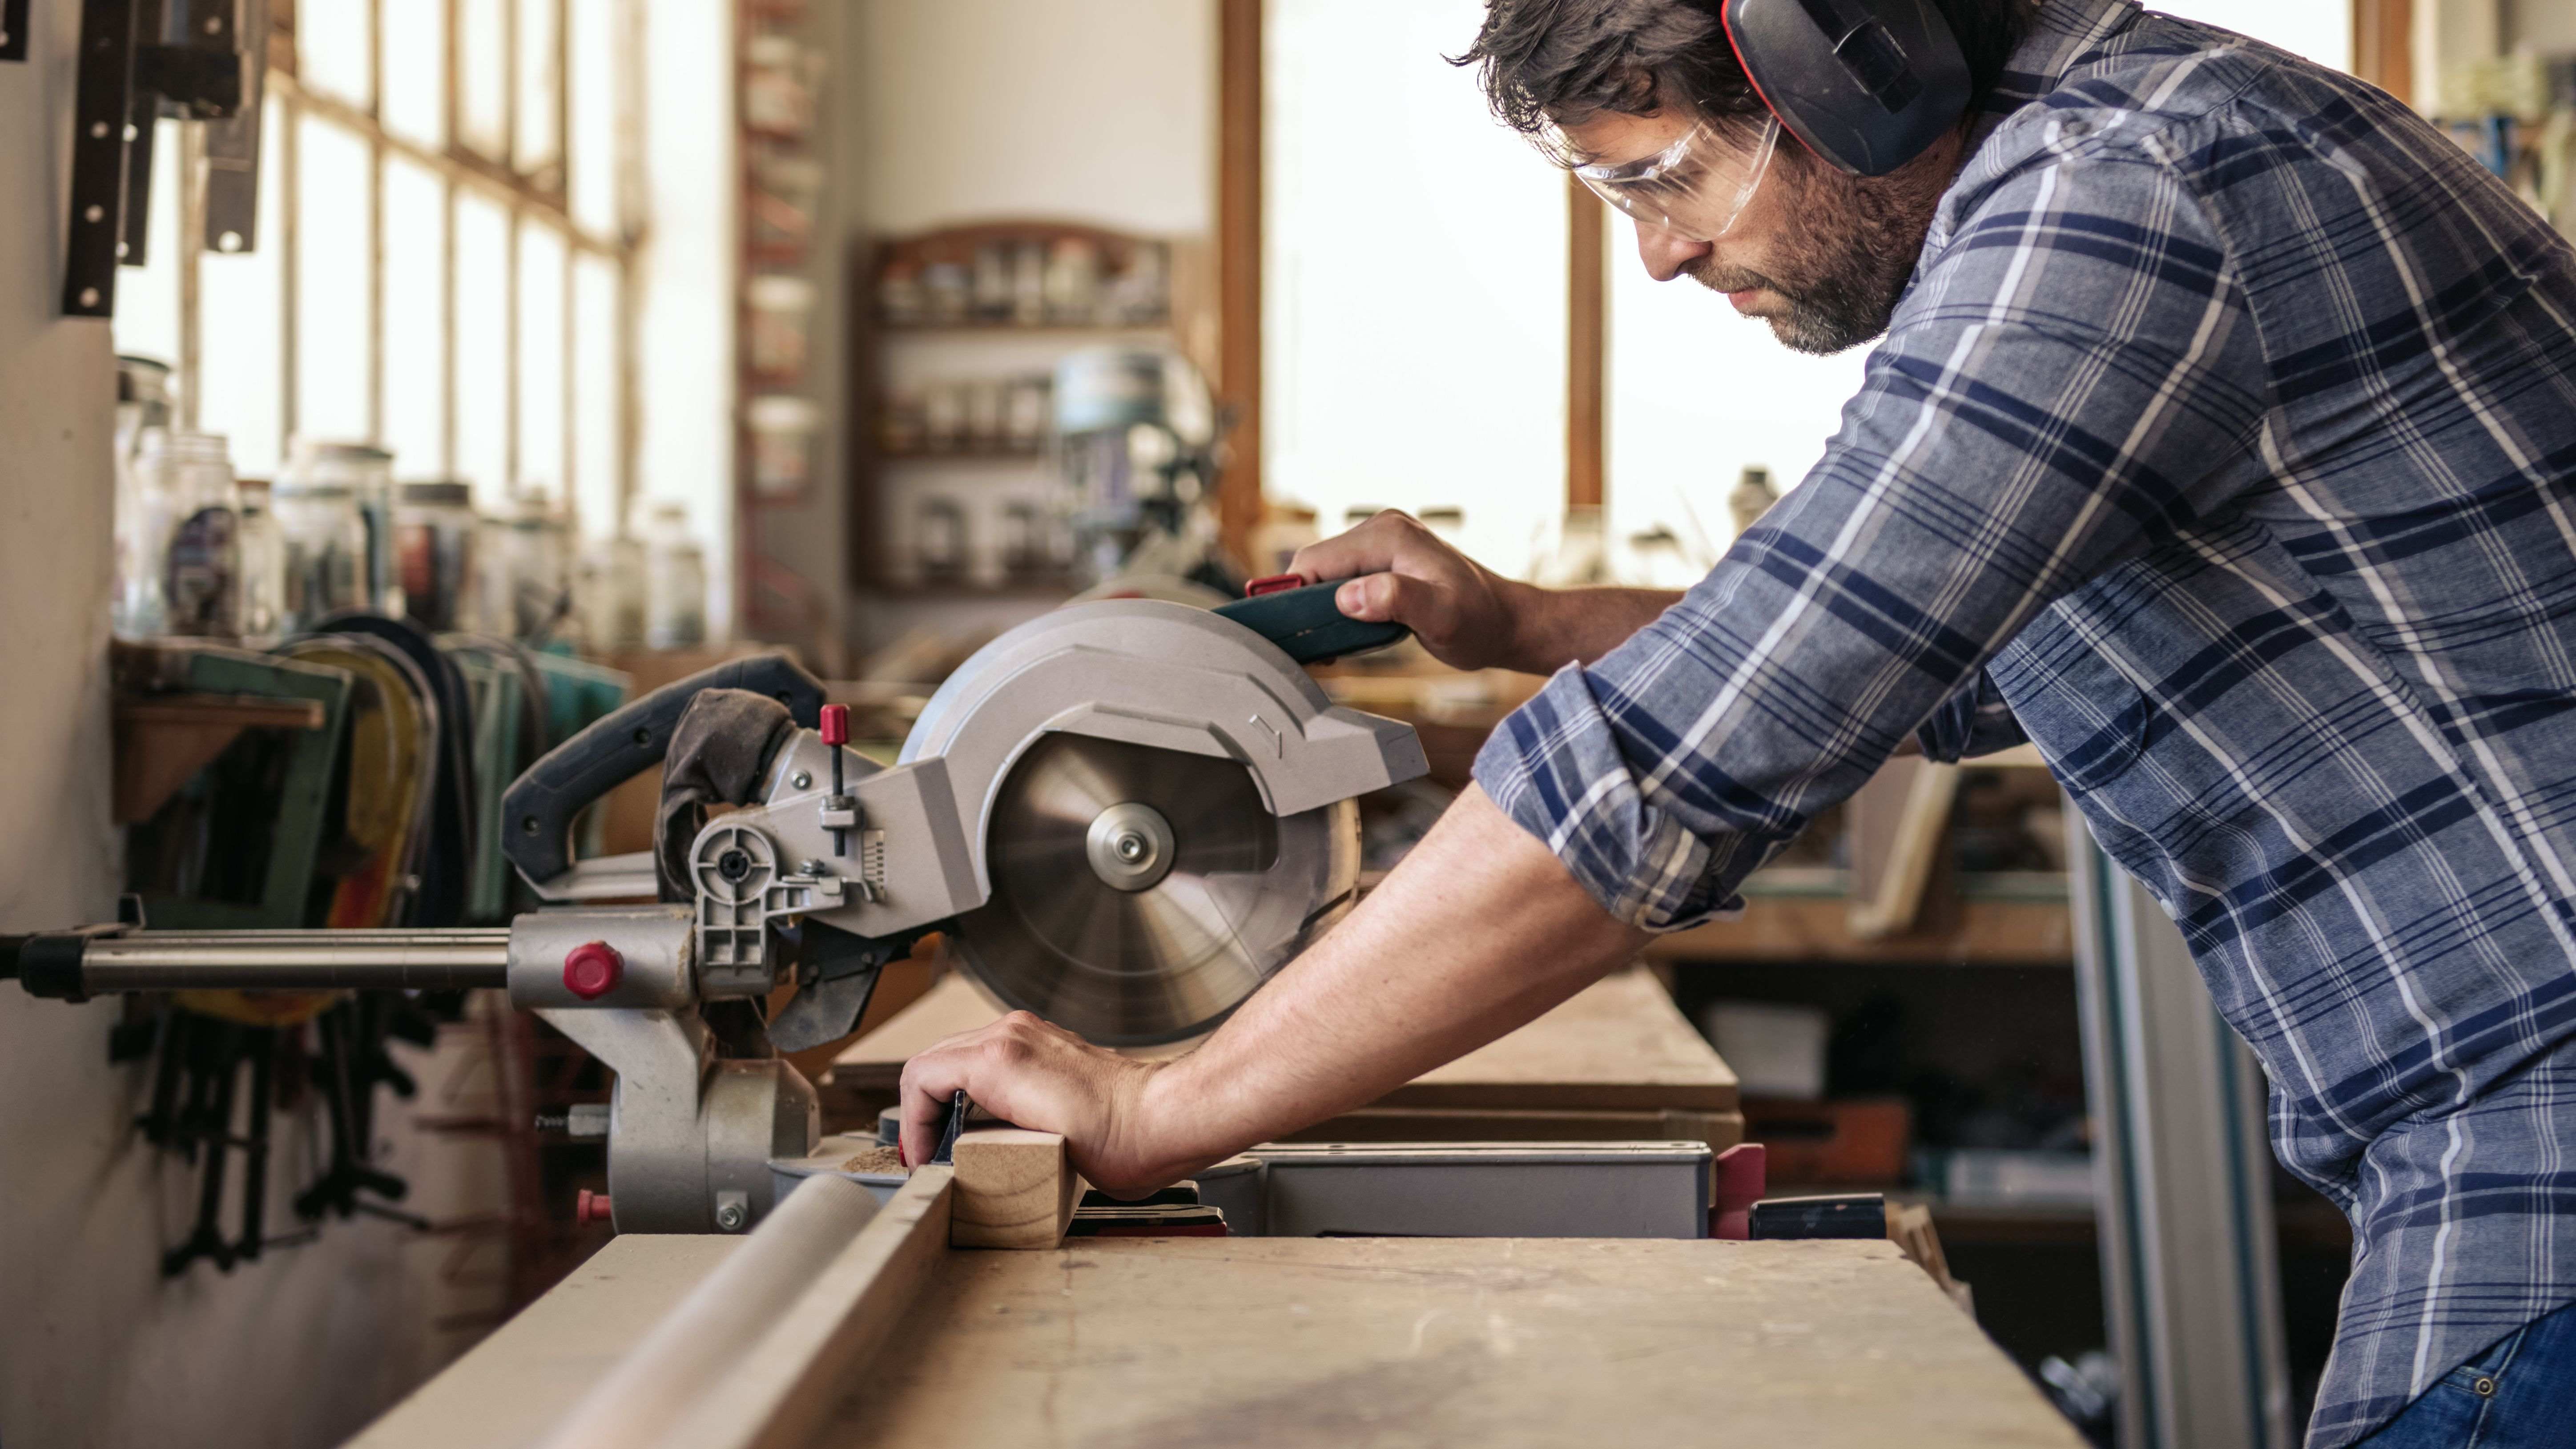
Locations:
column 1564, row 60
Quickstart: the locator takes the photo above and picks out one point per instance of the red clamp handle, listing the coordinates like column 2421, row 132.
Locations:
column 1742, row 1178
column 1273, row 584
column 836, row 724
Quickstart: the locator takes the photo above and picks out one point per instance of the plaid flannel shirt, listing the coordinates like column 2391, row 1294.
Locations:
column 2222, row 446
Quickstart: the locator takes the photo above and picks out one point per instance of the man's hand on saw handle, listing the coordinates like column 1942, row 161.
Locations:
column 1467, row 615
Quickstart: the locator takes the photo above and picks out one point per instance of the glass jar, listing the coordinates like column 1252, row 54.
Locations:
column 142, row 525
column 201, row 566
column 434, row 529
column 325, row 551
column 534, row 569
column 263, row 568
column 613, row 592
column 675, row 581
column 367, row 471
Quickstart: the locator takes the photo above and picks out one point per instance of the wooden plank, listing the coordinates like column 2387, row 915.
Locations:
column 1160, row 1344
column 534, row 1368
column 1015, row 1189
column 1619, row 1044
column 786, row 1385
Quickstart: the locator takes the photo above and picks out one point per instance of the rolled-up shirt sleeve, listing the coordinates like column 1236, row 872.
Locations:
column 1977, row 720
column 2059, row 381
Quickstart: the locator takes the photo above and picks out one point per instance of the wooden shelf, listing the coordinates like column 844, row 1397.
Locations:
column 162, row 741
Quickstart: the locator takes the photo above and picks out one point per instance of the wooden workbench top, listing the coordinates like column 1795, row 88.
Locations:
column 1350, row 1343
column 1618, row 1044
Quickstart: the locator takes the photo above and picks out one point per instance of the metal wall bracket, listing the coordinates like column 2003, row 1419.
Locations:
column 130, row 74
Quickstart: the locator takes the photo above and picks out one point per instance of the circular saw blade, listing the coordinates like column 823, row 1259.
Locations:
column 1245, row 891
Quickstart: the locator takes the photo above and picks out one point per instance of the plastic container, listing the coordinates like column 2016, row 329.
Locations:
column 675, row 581
column 192, row 473
column 324, row 556
column 434, row 536
column 367, row 471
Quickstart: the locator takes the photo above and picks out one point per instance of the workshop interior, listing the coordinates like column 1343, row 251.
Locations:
column 583, row 578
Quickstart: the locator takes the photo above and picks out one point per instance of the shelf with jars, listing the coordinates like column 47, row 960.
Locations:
column 955, row 482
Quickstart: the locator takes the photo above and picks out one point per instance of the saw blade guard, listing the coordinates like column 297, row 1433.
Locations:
column 1161, row 805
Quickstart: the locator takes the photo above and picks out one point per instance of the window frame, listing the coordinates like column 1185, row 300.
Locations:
column 541, row 198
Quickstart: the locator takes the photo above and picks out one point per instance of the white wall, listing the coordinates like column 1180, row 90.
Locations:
column 685, row 376
column 1084, row 110
column 95, row 1349
column 1098, row 111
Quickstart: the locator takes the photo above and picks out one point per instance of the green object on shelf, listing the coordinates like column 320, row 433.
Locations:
column 294, row 839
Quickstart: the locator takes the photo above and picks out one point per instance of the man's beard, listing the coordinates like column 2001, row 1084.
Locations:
column 1848, row 261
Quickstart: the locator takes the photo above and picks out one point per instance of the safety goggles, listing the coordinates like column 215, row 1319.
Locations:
column 1698, row 186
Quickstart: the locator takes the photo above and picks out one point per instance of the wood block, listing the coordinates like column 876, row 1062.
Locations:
column 1015, row 1189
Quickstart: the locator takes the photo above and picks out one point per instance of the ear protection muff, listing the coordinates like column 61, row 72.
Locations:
column 1866, row 84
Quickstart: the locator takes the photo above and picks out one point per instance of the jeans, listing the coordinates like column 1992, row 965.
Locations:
column 2519, row 1394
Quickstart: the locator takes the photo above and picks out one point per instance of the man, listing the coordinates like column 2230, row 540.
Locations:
column 2220, row 442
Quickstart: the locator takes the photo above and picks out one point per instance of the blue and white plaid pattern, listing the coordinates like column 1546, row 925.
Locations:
column 2223, row 445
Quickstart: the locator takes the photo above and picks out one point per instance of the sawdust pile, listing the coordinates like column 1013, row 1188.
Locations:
column 877, row 1160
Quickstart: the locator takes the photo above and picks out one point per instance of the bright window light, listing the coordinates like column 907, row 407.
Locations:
column 333, row 254
column 415, row 318
column 1414, row 328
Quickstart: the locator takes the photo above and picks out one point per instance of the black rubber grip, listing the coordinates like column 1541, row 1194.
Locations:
column 538, row 810
column 1309, row 625
column 47, row 965
column 1854, row 1215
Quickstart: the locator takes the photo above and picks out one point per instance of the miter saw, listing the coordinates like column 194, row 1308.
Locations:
column 1125, row 814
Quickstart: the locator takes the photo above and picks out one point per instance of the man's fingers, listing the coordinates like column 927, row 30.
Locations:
column 1420, row 606
column 1368, row 549
column 931, row 1080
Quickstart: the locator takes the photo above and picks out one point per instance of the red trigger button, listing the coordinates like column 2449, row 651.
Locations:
column 1273, row 584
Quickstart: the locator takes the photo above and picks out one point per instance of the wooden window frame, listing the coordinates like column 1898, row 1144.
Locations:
column 1241, row 173
column 541, row 199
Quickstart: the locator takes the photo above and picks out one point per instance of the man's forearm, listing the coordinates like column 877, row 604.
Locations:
column 1478, row 931
column 1556, row 627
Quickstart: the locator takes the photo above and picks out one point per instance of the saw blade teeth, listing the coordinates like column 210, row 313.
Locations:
column 1124, row 965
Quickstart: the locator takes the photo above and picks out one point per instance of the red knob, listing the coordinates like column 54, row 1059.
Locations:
column 1273, row 584
column 592, row 1207
column 836, row 724
column 593, row 969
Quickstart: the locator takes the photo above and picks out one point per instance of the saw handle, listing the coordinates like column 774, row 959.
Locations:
column 1305, row 622
column 538, row 810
